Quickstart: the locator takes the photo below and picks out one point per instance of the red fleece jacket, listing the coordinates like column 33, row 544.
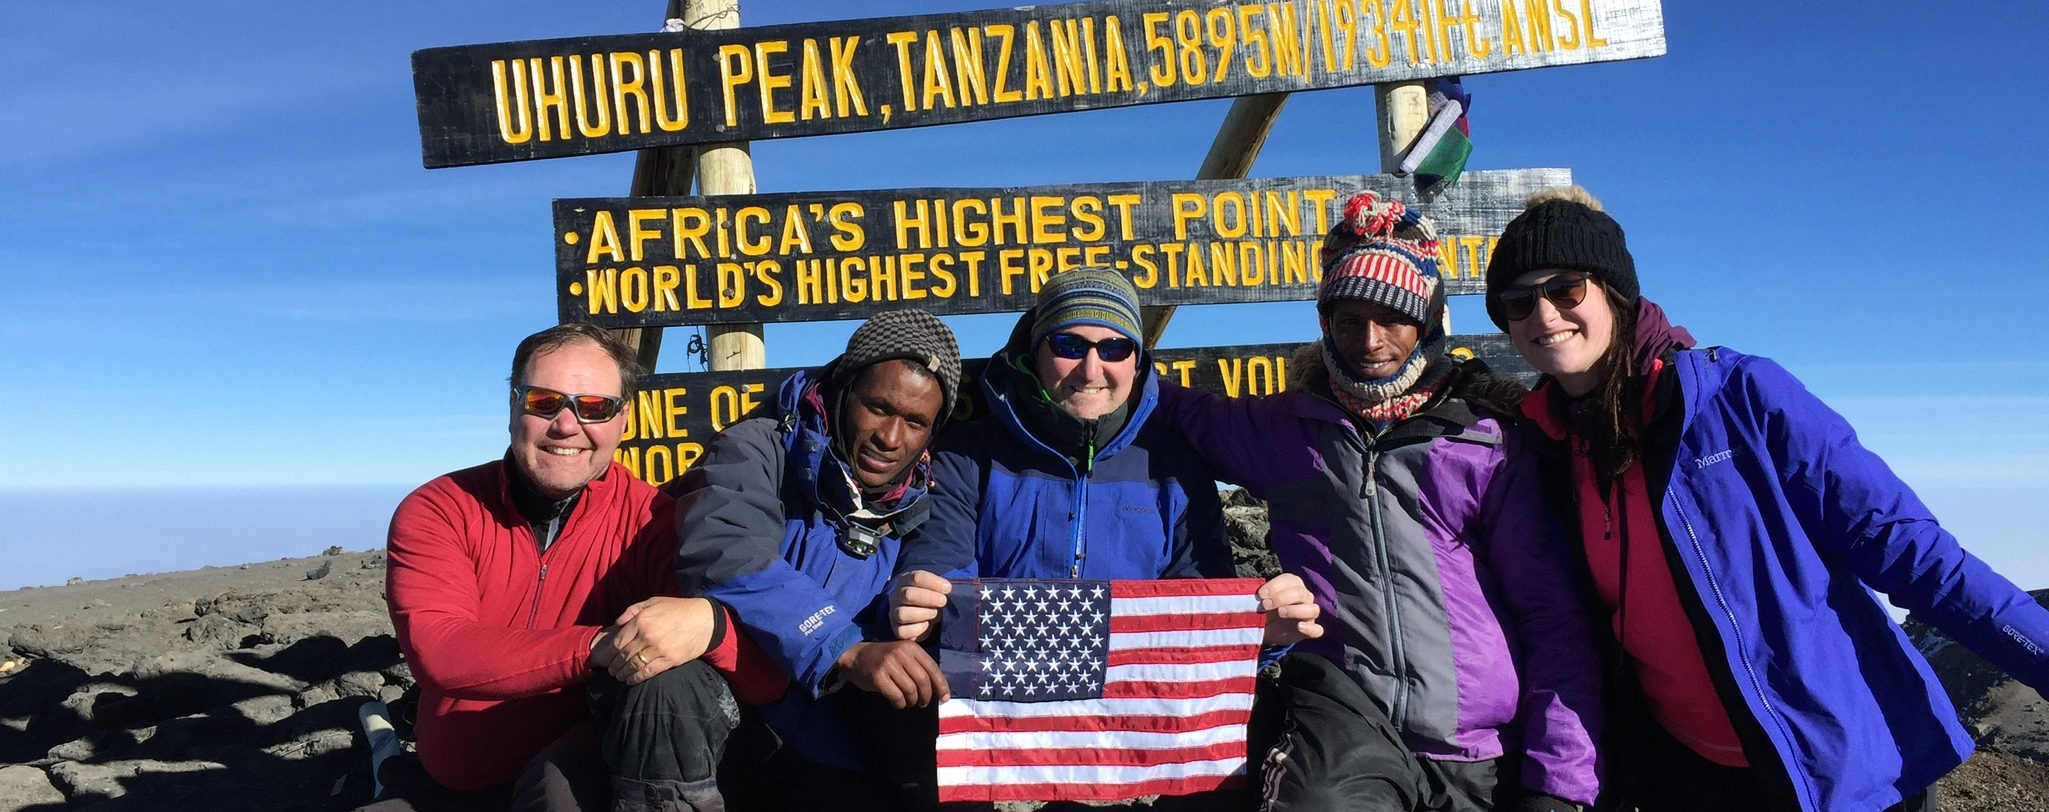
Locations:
column 498, row 634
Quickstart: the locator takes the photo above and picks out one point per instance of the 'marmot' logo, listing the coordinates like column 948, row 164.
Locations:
column 816, row 619
column 1719, row 456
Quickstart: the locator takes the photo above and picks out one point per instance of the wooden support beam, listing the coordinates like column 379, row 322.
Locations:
column 718, row 169
column 1230, row 156
column 658, row 172
column 726, row 169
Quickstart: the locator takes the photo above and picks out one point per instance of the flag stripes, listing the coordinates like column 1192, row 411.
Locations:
column 1177, row 662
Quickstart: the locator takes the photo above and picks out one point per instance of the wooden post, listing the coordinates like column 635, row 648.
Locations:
column 726, row 169
column 718, row 169
column 1230, row 156
column 1404, row 111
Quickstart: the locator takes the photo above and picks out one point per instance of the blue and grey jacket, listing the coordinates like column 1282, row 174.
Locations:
column 1007, row 505
column 1778, row 524
column 760, row 519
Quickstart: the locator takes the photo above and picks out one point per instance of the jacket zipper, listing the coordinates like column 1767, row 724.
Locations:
column 1735, row 628
column 539, row 583
column 1397, row 656
column 1078, row 516
column 1618, row 501
column 541, row 554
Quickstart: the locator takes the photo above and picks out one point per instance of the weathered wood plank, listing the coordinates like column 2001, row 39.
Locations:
column 1230, row 157
column 519, row 101
column 676, row 414
column 821, row 256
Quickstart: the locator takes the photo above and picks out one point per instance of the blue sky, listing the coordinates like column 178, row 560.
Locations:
column 225, row 268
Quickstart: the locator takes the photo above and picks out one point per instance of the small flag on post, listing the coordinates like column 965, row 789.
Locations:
column 1438, row 156
column 1096, row 690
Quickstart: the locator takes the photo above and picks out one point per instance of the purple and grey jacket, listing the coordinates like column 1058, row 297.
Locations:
column 1446, row 589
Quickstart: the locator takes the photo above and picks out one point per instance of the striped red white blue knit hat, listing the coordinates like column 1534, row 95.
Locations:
column 1382, row 252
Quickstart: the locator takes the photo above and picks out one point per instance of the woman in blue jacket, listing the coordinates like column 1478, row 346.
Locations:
column 1731, row 527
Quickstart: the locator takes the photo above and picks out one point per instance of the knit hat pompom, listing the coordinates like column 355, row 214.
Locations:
column 1563, row 229
column 913, row 335
column 1094, row 295
column 1368, row 217
column 1574, row 194
column 1382, row 252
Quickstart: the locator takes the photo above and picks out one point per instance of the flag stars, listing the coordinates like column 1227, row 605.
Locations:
column 1042, row 641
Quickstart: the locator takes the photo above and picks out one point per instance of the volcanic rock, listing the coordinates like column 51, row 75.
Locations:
column 237, row 688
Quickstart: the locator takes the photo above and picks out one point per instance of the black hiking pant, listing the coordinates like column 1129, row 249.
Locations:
column 1670, row 777
column 1327, row 746
column 658, row 750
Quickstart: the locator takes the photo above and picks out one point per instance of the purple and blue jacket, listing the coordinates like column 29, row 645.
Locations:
column 1447, row 592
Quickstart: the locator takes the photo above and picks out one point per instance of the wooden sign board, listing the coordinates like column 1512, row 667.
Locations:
column 821, row 256
column 676, row 414
column 519, row 101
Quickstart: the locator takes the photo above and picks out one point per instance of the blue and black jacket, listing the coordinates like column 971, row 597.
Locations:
column 760, row 519
column 1006, row 504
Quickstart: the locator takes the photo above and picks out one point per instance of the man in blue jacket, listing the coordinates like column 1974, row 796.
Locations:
column 792, row 520
column 1065, row 477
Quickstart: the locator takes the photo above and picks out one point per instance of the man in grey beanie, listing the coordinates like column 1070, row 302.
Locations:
column 792, row 519
column 1066, row 478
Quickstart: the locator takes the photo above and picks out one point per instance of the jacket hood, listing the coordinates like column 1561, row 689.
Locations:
column 1308, row 366
column 805, row 433
column 1657, row 336
column 1001, row 387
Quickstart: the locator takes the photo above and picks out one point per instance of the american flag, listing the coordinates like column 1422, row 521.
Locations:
column 1096, row 690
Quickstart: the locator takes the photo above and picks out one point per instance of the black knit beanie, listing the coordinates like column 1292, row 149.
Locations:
column 911, row 334
column 1566, row 235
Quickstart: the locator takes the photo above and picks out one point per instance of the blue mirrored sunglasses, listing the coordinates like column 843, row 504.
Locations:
column 1071, row 346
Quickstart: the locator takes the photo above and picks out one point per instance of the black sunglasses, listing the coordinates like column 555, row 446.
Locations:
column 1071, row 346
column 1564, row 291
column 544, row 403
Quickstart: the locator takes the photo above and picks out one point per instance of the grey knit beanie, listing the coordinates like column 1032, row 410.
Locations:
column 911, row 334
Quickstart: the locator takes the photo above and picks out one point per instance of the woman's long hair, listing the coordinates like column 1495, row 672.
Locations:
column 1611, row 421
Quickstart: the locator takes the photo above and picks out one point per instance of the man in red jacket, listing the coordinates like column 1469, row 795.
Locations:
column 512, row 585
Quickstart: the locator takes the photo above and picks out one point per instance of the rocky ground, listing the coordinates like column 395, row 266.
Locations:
column 223, row 688
column 236, row 688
